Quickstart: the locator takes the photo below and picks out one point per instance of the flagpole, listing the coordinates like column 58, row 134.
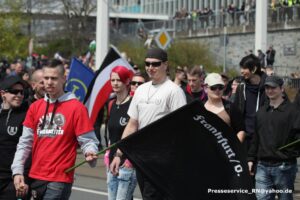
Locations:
column 101, row 31
column 84, row 161
column 290, row 144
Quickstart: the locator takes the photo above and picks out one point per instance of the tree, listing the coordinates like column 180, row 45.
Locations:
column 77, row 26
column 13, row 41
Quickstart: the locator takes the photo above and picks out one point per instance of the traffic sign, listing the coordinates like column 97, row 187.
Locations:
column 163, row 39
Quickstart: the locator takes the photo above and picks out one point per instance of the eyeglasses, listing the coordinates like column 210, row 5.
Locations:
column 136, row 83
column 153, row 64
column 217, row 87
column 15, row 91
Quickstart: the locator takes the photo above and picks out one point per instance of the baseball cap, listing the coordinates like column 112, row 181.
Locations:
column 274, row 81
column 157, row 53
column 213, row 79
column 10, row 81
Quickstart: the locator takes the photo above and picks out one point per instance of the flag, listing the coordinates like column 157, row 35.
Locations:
column 191, row 154
column 100, row 87
column 79, row 79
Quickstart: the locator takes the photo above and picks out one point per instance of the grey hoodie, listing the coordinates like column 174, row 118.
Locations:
column 88, row 141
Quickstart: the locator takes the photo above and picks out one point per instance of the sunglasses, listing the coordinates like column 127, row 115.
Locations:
column 153, row 64
column 15, row 91
column 136, row 83
column 217, row 87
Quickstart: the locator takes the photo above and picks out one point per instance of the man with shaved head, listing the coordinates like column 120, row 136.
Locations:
column 37, row 84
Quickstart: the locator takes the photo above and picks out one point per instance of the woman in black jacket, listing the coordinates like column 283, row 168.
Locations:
column 12, row 115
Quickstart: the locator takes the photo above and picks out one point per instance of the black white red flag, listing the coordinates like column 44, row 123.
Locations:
column 100, row 87
column 191, row 154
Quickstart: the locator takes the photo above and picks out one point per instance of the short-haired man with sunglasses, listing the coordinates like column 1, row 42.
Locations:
column 137, row 80
column 12, row 115
column 229, row 113
column 151, row 101
column 277, row 124
column 52, row 130
column 180, row 77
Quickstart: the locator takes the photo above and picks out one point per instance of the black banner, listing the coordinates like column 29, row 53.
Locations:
column 191, row 154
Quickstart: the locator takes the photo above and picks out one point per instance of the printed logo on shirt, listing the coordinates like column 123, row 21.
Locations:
column 12, row 130
column 51, row 130
column 123, row 121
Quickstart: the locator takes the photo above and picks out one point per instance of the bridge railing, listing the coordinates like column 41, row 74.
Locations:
column 189, row 25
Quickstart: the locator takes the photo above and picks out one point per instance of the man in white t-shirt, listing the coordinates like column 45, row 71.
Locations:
column 151, row 101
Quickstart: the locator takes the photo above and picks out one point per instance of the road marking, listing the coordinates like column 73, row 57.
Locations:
column 95, row 192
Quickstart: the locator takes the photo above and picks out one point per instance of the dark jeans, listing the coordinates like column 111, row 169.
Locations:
column 149, row 192
column 58, row 191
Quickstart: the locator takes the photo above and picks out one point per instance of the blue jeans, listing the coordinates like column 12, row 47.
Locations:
column 121, row 187
column 274, row 180
column 58, row 191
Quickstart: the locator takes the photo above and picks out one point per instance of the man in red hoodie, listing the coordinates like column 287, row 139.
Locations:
column 52, row 130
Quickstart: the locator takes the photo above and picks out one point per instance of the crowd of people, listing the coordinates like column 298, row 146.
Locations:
column 222, row 17
column 281, row 11
column 42, row 125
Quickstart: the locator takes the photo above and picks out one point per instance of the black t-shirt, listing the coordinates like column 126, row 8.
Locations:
column 118, row 119
column 250, row 108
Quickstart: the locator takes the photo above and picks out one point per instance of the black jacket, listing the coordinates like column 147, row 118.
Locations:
column 202, row 96
column 274, row 129
column 240, row 99
column 10, row 132
column 236, row 118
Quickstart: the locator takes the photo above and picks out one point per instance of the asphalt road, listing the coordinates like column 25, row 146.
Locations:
column 90, row 183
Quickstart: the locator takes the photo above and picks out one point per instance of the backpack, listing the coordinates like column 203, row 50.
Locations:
column 109, row 105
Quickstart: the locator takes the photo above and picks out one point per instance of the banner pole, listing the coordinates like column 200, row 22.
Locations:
column 290, row 144
column 84, row 161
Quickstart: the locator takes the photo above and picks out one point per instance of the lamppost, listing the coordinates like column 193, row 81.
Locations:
column 225, row 49
column 101, row 31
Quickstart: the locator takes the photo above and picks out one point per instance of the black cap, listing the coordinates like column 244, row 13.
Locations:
column 158, row 54
column 274, row 81
column 10, row 81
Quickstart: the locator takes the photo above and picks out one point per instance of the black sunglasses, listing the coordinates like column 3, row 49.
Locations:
column 153, row 64
column 136, row 83
column 15, row 91
column 216, row 87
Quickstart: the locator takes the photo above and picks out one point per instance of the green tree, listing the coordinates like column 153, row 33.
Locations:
column 75, row 30
column 185, row 53
column 13, row 41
